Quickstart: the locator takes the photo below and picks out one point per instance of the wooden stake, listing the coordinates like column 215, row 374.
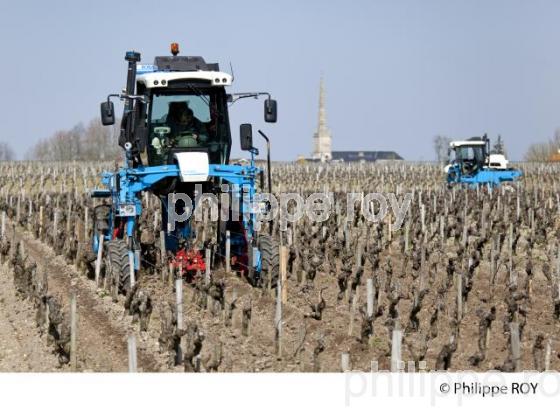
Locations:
column 547, row 355
column 163, row 253
column 283, row 272
column 370, row 297
column 459, row 296
column 98, row 260
column 228, row 258
column 86, row 223
column 278, row 319
column 132, row 363
column 179, row 309
column 132, row 273
column 3, row 231
column 73, row 335
column 345, row 362
column 207, row 260
column 396, row 350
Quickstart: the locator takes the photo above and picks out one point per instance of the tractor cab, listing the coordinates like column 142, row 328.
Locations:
column 184, row 109
column 470, row 155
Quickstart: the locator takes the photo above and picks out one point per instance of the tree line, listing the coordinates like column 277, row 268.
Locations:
column 93, row 142
column 545, row 151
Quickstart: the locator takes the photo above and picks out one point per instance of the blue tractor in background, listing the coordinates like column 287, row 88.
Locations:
column 473, row 164
column 176, row 137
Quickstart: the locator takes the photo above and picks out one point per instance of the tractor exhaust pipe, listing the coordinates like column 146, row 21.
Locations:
column 132, row 57
column 269, row 177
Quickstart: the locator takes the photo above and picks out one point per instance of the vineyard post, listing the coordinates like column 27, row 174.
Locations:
column 41, row 213
column 459, row 296
column 283, row 272
column 86, row 223
column 30, row 214
column 278, row 319
column 510, row 264
column 406, row 235
column 208, row 260
column 396, row 350
column 370, row 297
column 228, row 244
column 207, row 274
column 442, row 231
column 547, row 355
column 179, row 309
column 3, row 224
column 18, row 215
column 171, row 275
column 132, row 363
column 493, row 263
column 68, row 215
column 389, row 231
column 163, row 252
column 98, row 260
column 423, row 218
column 132, row 275
column 55, row 226
column 345, row 361
column 73, row 335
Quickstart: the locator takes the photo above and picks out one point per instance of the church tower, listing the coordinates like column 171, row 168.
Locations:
column 322, row 138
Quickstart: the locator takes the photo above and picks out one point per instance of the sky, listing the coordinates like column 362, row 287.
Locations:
column 396, row 73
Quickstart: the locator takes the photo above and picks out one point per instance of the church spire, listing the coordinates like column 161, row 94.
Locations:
column 322, row 138
column 322, row 111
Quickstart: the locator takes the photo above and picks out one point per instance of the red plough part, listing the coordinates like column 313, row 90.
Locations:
column 189, row 262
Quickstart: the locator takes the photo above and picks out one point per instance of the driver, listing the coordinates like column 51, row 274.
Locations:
column 186, row 130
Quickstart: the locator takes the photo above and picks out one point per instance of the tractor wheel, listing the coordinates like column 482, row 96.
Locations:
column 270, row 261
column 117, row 266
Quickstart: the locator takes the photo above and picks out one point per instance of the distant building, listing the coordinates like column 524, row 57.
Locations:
column 365, row 156
column 322, row 141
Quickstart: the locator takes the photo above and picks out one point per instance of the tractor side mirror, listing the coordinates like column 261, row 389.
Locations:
column 107, row 113
column 270, row 110
column 246, row 134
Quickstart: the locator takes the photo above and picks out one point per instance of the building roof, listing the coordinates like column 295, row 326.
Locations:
column 365, row 155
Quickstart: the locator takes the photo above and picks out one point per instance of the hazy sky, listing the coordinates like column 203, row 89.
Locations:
column 396, row 72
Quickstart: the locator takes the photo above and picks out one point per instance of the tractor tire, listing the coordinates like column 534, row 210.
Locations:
column 117, row 265
column 270, row 261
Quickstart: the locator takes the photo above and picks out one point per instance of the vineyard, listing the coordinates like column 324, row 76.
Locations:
column 470, row 281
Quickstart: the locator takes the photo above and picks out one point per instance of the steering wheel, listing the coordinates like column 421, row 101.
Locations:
column 186, row 140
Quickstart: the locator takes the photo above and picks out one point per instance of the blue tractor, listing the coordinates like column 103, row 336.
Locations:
column 176, row 138
column 472, row 164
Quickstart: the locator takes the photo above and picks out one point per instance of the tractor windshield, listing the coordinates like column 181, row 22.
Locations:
column 188, row 121
column 473, row 153
column 470, row 158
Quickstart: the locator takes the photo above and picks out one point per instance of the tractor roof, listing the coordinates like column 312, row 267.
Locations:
column 171, row 68
column 468, row 143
